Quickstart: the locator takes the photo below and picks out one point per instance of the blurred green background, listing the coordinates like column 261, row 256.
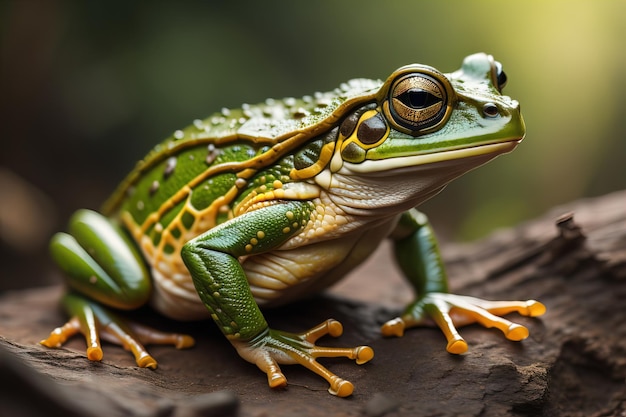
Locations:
column 87, row 88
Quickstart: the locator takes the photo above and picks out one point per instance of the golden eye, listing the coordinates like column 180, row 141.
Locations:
column 417, row 102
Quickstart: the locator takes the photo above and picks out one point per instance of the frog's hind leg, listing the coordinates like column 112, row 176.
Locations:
column 96, row 322
column 103, row 265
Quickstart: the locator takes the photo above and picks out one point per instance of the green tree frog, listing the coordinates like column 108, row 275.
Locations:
column 258, row 206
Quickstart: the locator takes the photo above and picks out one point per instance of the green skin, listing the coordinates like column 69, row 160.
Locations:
column 217, row 201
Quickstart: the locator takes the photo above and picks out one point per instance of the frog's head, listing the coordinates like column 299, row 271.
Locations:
column 428, row 128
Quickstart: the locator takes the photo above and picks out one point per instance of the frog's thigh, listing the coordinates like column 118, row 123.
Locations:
column 104, row 268
column 100, row 261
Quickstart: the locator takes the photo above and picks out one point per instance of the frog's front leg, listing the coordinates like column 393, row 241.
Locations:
column 104, row 269
column 213, row 261
column 418, row 256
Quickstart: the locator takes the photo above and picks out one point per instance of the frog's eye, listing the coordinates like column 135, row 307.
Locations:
column 417, row 102
column 500, row 76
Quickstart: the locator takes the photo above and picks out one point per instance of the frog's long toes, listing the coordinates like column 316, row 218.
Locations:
column 94, row 353
column 340, row 387
column 335, row 328
column 148, row 335
column 394, row 327
column 55, row 340
column 59, row 336
column 267, row 364
column 363, row 354
column 276, row 379
column 457, row 346
column 329, row 327
column 184, row 341
column 516, row 332
column 144, row 360
column 535, row 308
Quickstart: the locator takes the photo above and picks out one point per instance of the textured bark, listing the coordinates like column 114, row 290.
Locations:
column 573, row 363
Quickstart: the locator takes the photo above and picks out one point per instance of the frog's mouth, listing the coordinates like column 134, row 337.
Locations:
column 463, row 160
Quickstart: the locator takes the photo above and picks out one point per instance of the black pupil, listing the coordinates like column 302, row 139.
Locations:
column 501, row 79
column 417, row 98
column 501, row 76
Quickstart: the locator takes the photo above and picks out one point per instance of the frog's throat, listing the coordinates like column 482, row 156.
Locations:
column 392, row 165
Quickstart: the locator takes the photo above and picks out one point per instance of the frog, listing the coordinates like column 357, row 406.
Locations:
column 256, row 207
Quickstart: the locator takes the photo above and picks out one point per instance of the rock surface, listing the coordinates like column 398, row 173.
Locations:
column 573, row 363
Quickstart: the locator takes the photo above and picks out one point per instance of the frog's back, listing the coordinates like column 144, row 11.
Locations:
column 203, row 175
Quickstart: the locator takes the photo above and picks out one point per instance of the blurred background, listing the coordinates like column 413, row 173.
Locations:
column 87, row 88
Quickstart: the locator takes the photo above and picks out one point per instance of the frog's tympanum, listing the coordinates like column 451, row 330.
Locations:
column 259, row 206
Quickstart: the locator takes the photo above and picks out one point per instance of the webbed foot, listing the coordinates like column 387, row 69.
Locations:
column 276, row 347
column 449, row 311
column 96, row 322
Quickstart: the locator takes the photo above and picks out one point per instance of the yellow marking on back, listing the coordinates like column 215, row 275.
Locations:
column 204, row 220
column 325, row 156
